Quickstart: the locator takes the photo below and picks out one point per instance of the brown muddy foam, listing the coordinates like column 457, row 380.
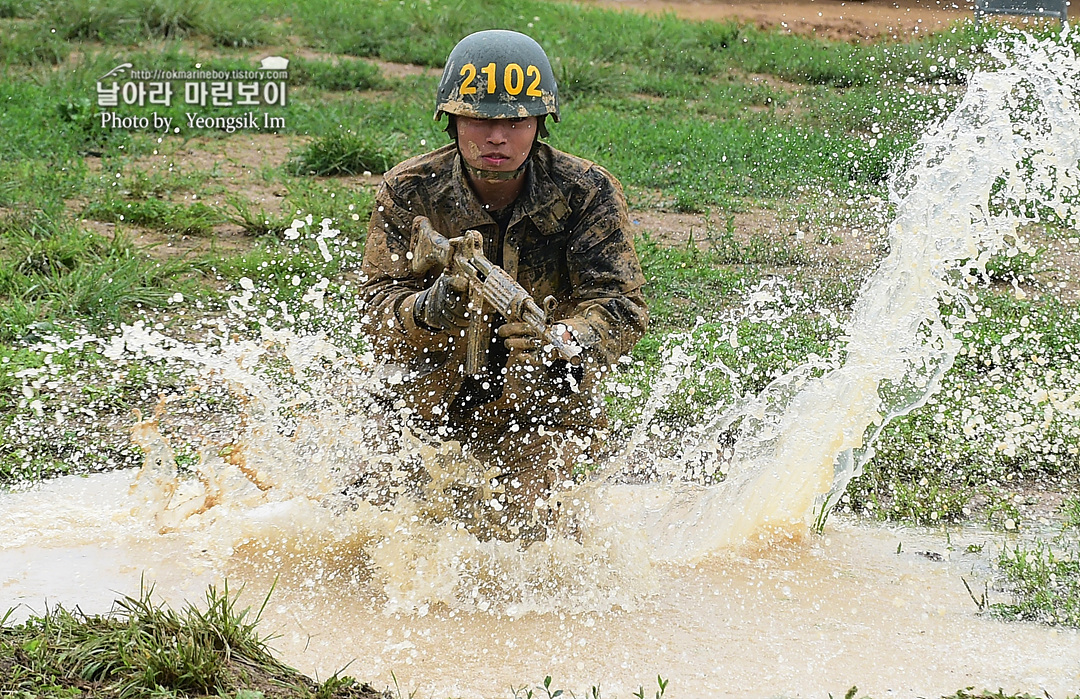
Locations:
column 797, row 619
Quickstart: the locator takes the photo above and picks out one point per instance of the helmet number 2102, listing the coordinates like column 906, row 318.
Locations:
column 513, row 79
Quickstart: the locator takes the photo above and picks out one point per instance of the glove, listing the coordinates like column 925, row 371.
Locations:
column 520, row 337
column 535, row 370
column 443, row 305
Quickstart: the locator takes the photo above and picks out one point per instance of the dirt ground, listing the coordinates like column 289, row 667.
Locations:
column 834, row 19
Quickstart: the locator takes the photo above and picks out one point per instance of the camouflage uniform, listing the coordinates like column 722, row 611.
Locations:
column 567, row 235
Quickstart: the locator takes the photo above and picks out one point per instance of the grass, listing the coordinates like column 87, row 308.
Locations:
column 342, row 76
column 347, row 153
column 256, row 222
column 127, row 21
column 57, row 271
column 182, row 219
column 985, row 432
column 144, row 648
column 1044, row 582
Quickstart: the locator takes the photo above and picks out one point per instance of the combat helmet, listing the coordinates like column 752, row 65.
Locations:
column 498, row 74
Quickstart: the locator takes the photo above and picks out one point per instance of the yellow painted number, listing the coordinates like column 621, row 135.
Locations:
column 534, row 87
column 513, row 78
column 469, row 71
column 489, row 71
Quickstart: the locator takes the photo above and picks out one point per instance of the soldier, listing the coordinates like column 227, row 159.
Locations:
column 557, row 224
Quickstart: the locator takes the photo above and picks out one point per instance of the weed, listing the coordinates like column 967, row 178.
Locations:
column 141, row 648
column 1001, row 513
column 234, row 25
column 968, row 693
column 1044, row 582
column 850, row 694
column 548, row 692
column 578, row 77
column 255, row 222
column 1014, row 264
column 58, row 270
column 1070, row 508
column 690, row 201
column 349, row 207
column 342, row 76
column 347, row 153
column 23, row 9
column 684, row 282
column 126, row 19
column 181, row 219
column 31, row 46
column 661, row 684
column 928, row 502
column 979, row 432
column 397, row 688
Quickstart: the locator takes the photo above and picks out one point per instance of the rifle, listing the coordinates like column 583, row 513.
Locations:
column 488, row 284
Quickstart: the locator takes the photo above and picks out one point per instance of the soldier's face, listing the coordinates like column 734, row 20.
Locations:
column 495, row 144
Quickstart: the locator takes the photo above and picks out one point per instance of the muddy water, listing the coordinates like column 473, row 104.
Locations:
column 803, row 618
column 719, row 588
column 812, row 619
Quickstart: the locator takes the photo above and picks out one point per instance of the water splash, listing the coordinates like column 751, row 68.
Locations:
column 277, row 495
column 1012, row 141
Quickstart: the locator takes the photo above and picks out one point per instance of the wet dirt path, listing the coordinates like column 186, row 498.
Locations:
column 836, row 19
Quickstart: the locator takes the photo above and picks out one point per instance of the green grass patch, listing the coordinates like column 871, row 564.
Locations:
column 346, row 152
column 182, row 219
column 256, row 221
column 30, row 46
column 995, row 422
column 683, row 283
column 22, row 9
column 51, row 270
column 144, row 648
column 126, row 20
column 131, row 21
column 340, row 76
column 1044, row 583
column 1070, row 509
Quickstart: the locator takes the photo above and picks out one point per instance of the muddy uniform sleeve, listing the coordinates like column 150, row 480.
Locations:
column 390, row 289
column 608, row 313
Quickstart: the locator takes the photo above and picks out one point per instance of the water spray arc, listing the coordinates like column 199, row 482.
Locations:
column 1010, row 146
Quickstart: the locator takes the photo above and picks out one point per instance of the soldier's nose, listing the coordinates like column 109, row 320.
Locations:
column 497, row 134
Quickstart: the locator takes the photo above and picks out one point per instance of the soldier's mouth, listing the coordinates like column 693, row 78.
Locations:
column 494, row 160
